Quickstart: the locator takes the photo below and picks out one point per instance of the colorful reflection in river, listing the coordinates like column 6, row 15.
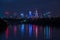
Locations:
column 22, row 29
column 46, row 32
column 6, row 34
column 31, row 30
column 15, row 29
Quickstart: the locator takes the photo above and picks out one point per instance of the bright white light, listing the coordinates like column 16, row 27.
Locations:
column 22, row 15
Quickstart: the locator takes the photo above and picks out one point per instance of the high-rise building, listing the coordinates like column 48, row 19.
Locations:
column 30, row 14
column 36, row 14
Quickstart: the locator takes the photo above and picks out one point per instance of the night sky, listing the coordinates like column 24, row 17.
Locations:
column 41, row 5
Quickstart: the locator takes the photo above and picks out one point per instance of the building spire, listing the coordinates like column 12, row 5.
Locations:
column 36, row 13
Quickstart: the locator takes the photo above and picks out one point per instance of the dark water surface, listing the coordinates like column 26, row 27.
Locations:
column 30, row 32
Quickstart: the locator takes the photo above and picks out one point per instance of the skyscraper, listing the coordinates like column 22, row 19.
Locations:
column 30, row 14
column 36, row 14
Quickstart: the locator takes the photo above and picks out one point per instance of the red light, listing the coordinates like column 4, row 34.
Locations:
column 6, row 33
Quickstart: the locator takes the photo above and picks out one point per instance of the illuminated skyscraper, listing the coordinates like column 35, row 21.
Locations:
column 36, row 14
column 30, row 14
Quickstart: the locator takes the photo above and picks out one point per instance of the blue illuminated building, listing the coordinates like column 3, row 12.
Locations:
column 29, row 14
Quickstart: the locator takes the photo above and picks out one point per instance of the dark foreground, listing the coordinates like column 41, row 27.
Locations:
column 27, row 29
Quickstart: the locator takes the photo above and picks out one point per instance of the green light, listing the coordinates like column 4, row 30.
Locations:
column 24, row 20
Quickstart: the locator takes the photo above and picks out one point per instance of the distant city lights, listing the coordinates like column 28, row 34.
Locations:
column 30, row 14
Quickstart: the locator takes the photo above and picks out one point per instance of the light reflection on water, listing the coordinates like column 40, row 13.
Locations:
column 46, row 32
column 30, row 29
column 29, row 32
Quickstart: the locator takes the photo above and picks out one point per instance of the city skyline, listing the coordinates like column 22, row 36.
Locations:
column 24, row 5
column 29, row 14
